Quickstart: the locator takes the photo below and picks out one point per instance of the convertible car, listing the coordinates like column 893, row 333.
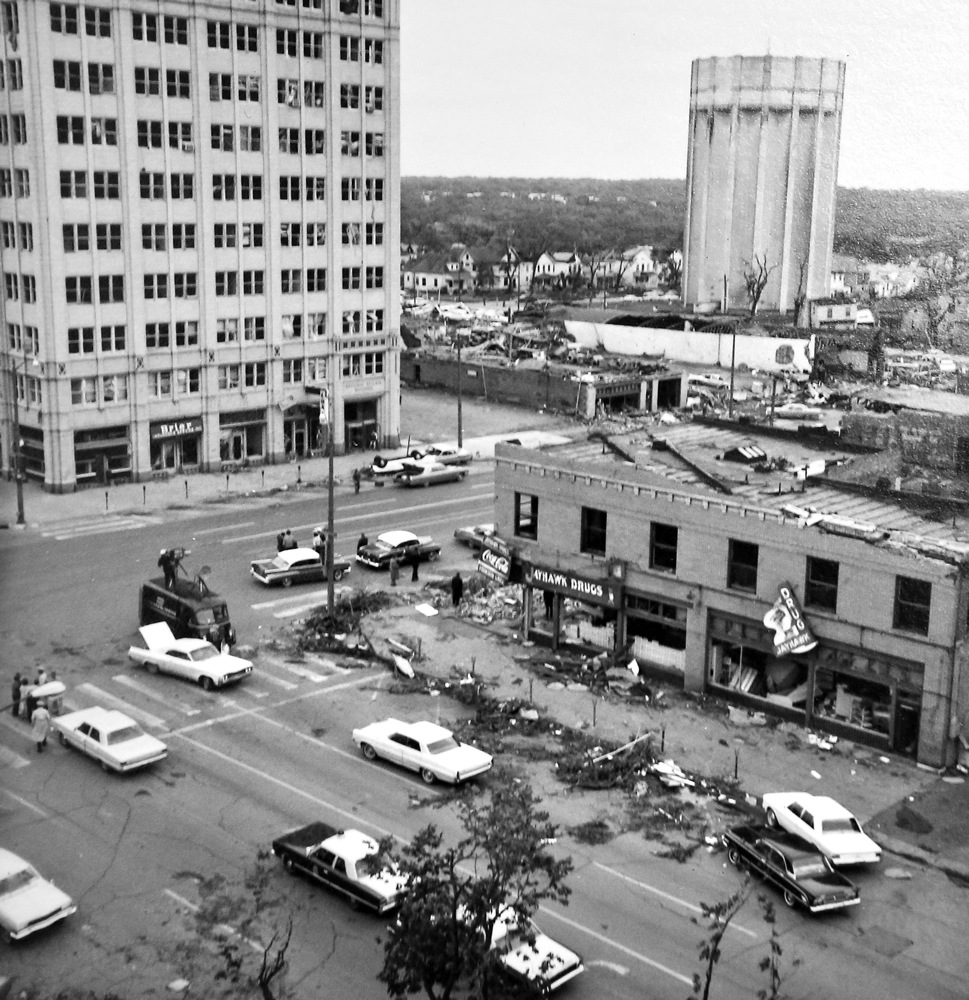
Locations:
column 824, row 823
column 28, row 903
column 806, row 877
column 346, row 861
column 296, row 566
column 194, row 659
column 424, row 747
column 111, row 738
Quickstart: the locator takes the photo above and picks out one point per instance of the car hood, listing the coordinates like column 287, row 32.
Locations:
column 544, row 960
column 30, row 903
column 225, row 663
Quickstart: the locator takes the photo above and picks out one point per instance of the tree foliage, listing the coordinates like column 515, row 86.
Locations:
column 441, row 938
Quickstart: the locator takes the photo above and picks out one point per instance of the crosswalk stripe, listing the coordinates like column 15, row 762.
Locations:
column 313, row 594
column 93, row 529
column 10, row 759
column 298, row 610
column 298, row 671
column 148, row 693
column 102, row 697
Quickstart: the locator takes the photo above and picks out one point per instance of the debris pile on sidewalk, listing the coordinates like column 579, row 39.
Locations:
column 483, row 601
column 344, row 634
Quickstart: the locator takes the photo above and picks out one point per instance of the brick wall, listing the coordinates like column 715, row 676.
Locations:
column 927, row 440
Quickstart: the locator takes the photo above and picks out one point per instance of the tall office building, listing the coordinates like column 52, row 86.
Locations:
column 762, row 170
column 199, row 229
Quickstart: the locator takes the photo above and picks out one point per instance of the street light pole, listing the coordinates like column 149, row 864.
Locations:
column 17, row 454
column 460, row 438
column 330, row 539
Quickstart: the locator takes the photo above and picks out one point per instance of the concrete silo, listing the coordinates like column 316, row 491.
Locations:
column 762, row 172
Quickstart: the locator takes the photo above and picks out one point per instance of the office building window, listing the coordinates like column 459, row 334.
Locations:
column 314, row 141
column 76, row 238
column 186, row 333
column 375, row 277
column 374, row 98
column 220, row 87
column 293, row 370
column 176, row 30
column 254, row 328
column 78, row 289
column 22, row 181
column 289, row 188
column 290, row 234
column 160, row 385
column 315, row 188
column 821, row 584
column 254, row 374
column 316, row 279
column 287, row 91
column 316, row 234
column 149, row 134
column 70, row 129
column 253, row 282
column 153, row 236
column 373, row 51
column 247, row 38
column 292, row 325
column 63, row 18
column 351, row 278
column 97, row 22
column 188, row 381
column 144, row 27
column 375, row 144
column 289, row 140
column 111, row 288
column 349, row 95
column 152, row 186
column 250, row 138
column 223, row 137
column 223, row 187
column 349, row 49
column 178, row 83
column 252, row 234
column 157, row 336
column 228, row 376
column 147, row 81
column 113, row 339
column 250, row 187
column 224, row 235
column 526, row 515
column 742, row 566
column 226, row 282
column 107, row 184
column 84, row 391
column 185, row 285
column 287, row 42
column 219, row 34
column 351, row 321
column 313, row 93
column 67, row 75
column 350, row 143
column 183, row 235
column 100, row 78
column 104, row 131
column 375, row 320
column 291, row 280
column 156, row 286
column 226, row 331
column 663, row 540
column 316, row 324
column 248, row 87
column 350, row 189
column 913, row 605
column 180, row 136
column 374, row 189
column 375, row 234
column 108, row 235
column 73, row 184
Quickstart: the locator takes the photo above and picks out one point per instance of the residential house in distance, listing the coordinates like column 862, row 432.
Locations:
column 206, row 234
column 556, row 268
column 833, row 314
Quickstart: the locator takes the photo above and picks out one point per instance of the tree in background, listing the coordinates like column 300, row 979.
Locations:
column 800, row 296
column 441, row 939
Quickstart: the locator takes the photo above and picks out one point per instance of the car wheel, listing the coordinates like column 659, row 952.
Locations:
column 368, row 751
column 790, row 898
column 379, row 462
column 337, row 575
column 206, row 683
column 152, row 668
column 772, row 818
column 415, row 454
column 288, row 865
column 733, row 856
column 433, row 557
column 287, row 582
column 428, row 775
column 62, row 739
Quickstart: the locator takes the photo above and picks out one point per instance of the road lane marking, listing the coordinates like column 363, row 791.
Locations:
column 123, row 706
column 306, row 674
column 221, row 527
column 127, row 681
column 278, row 681
column 669, row 898
column 26, row 804
column 223, row 928
column 602, row 939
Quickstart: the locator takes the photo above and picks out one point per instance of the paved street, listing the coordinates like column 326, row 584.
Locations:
column 151, row 857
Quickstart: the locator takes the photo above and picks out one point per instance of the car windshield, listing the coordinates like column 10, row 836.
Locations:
column 204, row 653
column 443, row 745
column 847, row 825
column 131, row 732
column 809, row 867
column 17, row 880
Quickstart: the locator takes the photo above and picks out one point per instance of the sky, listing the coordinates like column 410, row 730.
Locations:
column 601, row 88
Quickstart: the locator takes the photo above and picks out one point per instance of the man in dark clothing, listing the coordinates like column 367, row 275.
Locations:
column 280, row 540
column 30, row 704
column 549, row 599
column 167, row 562
column 15, row 693
column 362, row 542
column 356, row 480
column 457, row 589
column 415, row 561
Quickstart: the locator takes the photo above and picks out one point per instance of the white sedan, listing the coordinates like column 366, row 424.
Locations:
column 797, row 411
column 424, row 747
column 448, row 455
column 28, row 903
column 111, row 738
column 196, row 660
column 712, row 379
column 824, row 823
column 532, row 957
column 428, row 475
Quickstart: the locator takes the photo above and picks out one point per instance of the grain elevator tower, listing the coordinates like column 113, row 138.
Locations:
column 762, row 170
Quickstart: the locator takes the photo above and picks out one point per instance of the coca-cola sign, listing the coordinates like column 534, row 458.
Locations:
column 494, row 565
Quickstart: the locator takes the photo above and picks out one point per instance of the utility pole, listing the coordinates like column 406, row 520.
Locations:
column 733, row 358
column 460, row 436
column 17, row 450
column 330, row 534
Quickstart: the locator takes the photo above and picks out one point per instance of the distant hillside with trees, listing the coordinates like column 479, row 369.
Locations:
column 597, row 214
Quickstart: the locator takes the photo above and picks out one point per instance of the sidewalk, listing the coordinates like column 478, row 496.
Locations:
column 427, row 417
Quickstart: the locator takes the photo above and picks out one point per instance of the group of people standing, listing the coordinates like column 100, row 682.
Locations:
column 286, row 540
column 36, row 711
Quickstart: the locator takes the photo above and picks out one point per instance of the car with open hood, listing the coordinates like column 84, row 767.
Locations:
column 425, row 747
column 111, row 738
column 196, row 660
column 28, row 902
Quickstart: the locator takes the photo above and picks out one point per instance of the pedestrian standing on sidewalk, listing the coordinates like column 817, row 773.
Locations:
column 457, row 589
column 15, row 695
column 356, row 480
column 27, row 697
column 415, row 562
column 280, row 541
column 394, row 571
column 55, row 703
column 40, row 720
column 362, row 542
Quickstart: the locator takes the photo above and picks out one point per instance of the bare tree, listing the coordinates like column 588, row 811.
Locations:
column 624, row 262
column 801, row 294
column 674, row 273
column 717, row 917
column 756, row 276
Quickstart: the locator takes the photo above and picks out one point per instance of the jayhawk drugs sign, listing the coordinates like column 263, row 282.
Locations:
column 792, row 634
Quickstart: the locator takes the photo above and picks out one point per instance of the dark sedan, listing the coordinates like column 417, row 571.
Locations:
column 295, row 566
column 805, row 876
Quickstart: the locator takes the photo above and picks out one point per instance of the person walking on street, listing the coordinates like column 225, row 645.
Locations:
column 356, row 480
column 362, row 542
column 15, row 695
column 55, row 703
column 415, row 562
column 394, row 571
column 40, row 720
column 457, row 589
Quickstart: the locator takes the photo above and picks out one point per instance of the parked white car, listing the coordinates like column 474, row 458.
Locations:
column 531, row 956
column 424, row 747
column 824, row 823
column 196, row 660
column 28, row 902
column 111, row 738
